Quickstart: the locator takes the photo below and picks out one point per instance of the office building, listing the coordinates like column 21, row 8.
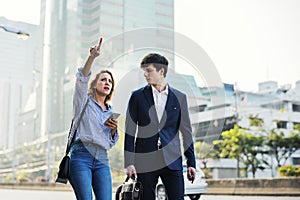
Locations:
column 20, row 66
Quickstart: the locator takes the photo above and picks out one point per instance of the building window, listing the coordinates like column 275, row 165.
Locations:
column 296, row 161
column 296, row 108
column 282, row 124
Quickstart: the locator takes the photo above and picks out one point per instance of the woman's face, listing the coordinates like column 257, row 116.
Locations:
column 104, row 84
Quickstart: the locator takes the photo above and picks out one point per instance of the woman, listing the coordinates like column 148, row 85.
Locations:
column 89, row 165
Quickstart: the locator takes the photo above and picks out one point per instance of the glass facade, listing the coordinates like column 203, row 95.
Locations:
column 77, row 25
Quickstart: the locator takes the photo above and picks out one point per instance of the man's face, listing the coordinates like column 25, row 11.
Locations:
column 152, row 76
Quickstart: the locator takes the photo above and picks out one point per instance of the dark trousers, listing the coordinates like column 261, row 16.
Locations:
column 172, row 180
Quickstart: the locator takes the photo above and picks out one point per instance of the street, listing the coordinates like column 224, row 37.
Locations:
column 59, row 195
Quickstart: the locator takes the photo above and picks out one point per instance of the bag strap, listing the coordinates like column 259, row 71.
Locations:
column 69, row 144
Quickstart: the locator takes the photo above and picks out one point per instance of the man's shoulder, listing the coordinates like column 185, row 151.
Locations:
column 140, row 90
column 176, row 91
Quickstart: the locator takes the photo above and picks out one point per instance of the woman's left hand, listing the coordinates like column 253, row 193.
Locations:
column 113, row 124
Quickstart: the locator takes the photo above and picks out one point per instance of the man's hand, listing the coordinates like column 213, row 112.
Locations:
column 130, row 171
column 191, row 174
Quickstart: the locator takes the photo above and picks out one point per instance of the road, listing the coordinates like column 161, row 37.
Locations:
column 58, row 195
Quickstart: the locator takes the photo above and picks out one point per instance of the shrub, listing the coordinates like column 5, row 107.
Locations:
column 289, row 170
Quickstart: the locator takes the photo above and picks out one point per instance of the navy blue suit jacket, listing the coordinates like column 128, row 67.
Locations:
column 142, row 129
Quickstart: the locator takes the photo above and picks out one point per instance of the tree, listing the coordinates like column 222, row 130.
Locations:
column 252, row 148
column 231, row 145
column 275, row 142
column 281, row 146
column 244, row 147
column 203, row 151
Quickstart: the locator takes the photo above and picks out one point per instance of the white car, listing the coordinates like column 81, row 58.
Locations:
column 193, row 190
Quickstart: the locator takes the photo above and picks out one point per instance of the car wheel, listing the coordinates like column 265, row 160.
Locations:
column 161, row 193
column 194, row 196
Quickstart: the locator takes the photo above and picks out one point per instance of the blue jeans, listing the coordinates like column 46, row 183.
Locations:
column 88, row 174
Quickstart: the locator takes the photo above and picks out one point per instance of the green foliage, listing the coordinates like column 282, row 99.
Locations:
column 297, row 128
column 252, row 152
column 242, row 146
column 8, row 178
column 289, row 170
column 23, row 178
column 281, row 146
column 250, row 148
column 204, row 150
column 256, row 121
column 231, row 144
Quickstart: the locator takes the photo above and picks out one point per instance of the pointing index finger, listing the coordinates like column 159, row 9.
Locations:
column 100, row 42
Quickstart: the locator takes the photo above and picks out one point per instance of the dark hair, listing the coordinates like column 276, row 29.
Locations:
column 157, row 60
column 93, row 83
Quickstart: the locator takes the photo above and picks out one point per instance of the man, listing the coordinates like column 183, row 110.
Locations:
column 156, row 114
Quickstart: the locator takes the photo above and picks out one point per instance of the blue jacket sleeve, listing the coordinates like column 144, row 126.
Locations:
column 186, row 131
column 130, row 131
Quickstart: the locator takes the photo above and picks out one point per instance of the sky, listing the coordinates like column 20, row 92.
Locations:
column 249, row 41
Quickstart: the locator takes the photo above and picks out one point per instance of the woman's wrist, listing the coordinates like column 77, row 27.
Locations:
column 113, row 132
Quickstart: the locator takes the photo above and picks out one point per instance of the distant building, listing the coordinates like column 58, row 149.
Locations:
column 76, row 25
column 277, row 107
column 20, row 66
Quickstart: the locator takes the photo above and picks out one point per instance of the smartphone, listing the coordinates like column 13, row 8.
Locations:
column 113, row 116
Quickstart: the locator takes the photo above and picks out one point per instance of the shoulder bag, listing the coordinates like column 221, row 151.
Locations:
column 63, row 171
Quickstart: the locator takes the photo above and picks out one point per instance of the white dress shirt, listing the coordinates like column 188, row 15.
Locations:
column 160, row 101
